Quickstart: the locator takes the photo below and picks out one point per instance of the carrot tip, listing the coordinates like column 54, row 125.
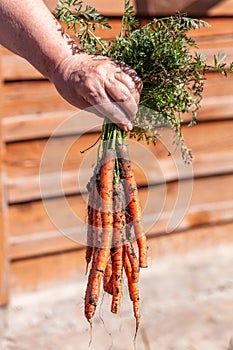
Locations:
column 143, row 266
column 90, row 341
column 136, row 331
column 86, row 271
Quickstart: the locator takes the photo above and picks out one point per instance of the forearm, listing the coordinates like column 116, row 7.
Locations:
column 29, row 29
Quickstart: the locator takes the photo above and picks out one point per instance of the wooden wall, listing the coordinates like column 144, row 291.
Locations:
column 33, row 252
column 3, row 224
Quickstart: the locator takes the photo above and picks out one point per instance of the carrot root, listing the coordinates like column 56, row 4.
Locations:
column 133, row 203
column 101, row 254
column 114, row 222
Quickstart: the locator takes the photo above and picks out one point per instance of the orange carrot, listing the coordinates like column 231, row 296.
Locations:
column 97, row 224
column 117, row 278
column 129, row 250
column 90, row 233
column 119, row 219
column 112, row 219
column 102, row 254
column 133, row 287
column 108, row 278
column 106, row 208
column 133, row 203
column 93, row 289
column 117, row 250
column 131, row 268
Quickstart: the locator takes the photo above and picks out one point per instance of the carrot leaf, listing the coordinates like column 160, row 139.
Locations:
column 164, row 56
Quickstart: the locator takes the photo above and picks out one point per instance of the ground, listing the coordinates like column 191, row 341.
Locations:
column 186, row 304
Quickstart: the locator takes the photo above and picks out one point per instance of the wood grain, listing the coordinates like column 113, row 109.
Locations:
column 66, row 266
column 191, row 7
column 4, row 288
column 17, row 68
column 199, row 238
column 34, row 109
column 212, row 155
column 219, row 27
column 42, row 125
column 161, row 7
column 27, row 97
column 222, row 8
column 39, row 253
column 216, row 38
column 116, row 8
column 4, row 262
column 44, row 271
column 32, row 233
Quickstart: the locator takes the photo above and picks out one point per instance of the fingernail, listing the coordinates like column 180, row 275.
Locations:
column 129, row 126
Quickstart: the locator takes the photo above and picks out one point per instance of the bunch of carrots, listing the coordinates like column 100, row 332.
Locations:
column 114, row 224
column 173, row 79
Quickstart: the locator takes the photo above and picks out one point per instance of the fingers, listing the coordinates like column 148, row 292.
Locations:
column 114, row 112
column 85, row 81
column 119, row 84
column 131, row 80
column 105, row 106
column 120, row 93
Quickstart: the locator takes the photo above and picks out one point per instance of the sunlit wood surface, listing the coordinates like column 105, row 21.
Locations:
column 38, row 254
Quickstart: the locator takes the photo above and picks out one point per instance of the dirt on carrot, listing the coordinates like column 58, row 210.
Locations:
column 115, row 228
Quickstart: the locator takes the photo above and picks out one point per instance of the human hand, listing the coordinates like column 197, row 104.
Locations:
column 85, row 80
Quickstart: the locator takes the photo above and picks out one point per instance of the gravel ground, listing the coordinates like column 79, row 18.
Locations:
column 186, row 304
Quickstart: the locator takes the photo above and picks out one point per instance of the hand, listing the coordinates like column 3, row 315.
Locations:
column 85, row 80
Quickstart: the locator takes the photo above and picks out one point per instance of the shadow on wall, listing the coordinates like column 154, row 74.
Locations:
column 157, row 7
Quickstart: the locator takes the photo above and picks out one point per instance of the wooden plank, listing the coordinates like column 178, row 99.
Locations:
column 4, row 287
column 217, row 97
column 65, row 266
column 30, row 218
column 217, row 85
column 17, row 68
column 38, row 109
column 41, row 125
column 31, row 97
column 198, row 238
column 219, row 34
column 211, row 7
column 106, row 34
column 116, row 8
column 40, row 244
column 4, row 263
column 214, row 108
column 219, row 27
column 223, row 8
column 212, row 155
column 161, row 7
column 217, row 45
column 192, row 7
column 62, row 267
column 32, row 232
